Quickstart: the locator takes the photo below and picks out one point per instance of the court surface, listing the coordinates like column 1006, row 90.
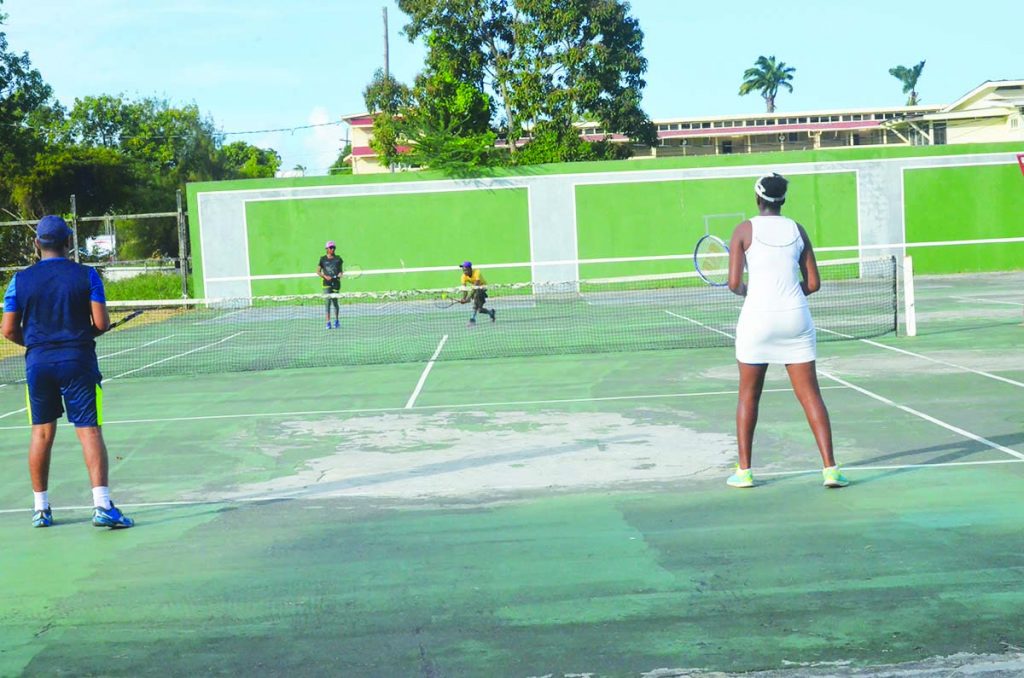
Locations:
column 545, row 516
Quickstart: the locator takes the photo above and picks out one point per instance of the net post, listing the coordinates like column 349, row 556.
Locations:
column 182, row 248
column 74, row 226
column 910, row 312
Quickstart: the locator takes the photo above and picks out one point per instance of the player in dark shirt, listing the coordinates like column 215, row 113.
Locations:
column 55, row 309
column 330, row 269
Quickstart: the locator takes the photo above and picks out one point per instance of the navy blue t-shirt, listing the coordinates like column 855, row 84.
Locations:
column 54, row 299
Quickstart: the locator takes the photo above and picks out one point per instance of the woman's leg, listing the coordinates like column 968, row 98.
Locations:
column 804, row 378
column 751, row 385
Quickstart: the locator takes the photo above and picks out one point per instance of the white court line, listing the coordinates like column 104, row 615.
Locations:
column 980, row 373
column 374, row 410
column 426, row 371
column 274, row 497
column 989, row 301
column 908, row 410
column 139, row 369
column 179, row 355
column 697, row 322
column 134, row 348
column 938, row 464
column 922, row 415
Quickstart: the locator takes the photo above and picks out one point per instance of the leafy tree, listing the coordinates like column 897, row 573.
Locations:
column 240, row 160
column 766, row 77
column 909, row 78
column 386, row 98
column 340, row 166
column 25, row 103
column 543, row 61
column 100, row 178
column 447, row 126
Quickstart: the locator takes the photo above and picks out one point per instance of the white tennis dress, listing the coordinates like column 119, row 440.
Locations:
column 775, row 324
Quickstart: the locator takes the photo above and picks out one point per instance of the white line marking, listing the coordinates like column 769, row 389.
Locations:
column 989, row 301
column 148, row 343
column 697, row 322
column 272, row 497
column 4, row 416
column 373, row 410
column 933, row 360
column 940, row 464
column 426, row 371
column 179, row 355
column 922, row 415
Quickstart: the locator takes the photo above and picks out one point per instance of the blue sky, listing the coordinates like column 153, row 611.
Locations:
column 260, row 64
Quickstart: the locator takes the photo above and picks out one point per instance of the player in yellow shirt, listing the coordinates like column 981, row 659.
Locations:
column 478, row 291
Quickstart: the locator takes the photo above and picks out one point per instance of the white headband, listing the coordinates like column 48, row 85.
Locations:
column 759, row 189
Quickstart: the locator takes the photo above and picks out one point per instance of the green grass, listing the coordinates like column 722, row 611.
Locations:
column 146, row 286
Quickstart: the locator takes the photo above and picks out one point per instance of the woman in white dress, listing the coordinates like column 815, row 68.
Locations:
column 775, row 325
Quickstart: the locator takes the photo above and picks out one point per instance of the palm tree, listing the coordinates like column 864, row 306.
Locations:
column 908, row 76
column 766, row 77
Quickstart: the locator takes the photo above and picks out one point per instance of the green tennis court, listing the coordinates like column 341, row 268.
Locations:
column 540, row 515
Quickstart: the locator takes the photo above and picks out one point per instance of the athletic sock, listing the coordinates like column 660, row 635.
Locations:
column 101, row 497
column 41, row 500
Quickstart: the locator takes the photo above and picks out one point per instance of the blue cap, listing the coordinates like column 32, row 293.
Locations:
column 467, row 264
column 52, row 230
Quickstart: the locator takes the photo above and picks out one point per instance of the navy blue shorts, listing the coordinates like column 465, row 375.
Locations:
column 75, row 383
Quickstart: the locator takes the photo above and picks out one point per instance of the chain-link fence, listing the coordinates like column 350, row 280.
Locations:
column 120, row 245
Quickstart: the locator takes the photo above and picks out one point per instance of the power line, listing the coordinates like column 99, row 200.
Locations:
column 296, row 128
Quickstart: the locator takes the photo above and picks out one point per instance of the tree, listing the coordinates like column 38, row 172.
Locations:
column 239, row 160
column 447, row 125
column 541, row 61
column 766, row 77
column 339, row 166
column 26, row 103
column 385, row 97
column 909, row 78
column 101, row 179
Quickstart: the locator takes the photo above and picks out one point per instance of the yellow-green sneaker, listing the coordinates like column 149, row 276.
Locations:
column 743, row 477
column 834, row 477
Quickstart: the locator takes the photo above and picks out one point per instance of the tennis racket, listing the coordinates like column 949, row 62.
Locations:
column 446, row 300
column 121, row 321
column 711, row 259
column 353, row 271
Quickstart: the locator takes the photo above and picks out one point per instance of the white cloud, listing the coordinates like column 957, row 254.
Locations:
column 323, row 143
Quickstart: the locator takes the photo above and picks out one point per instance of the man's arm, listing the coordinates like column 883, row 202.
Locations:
column 98, row 304
column 100, row 318
column 11, row 327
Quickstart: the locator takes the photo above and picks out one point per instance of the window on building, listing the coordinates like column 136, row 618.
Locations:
column 726, row 146
column 939, row 133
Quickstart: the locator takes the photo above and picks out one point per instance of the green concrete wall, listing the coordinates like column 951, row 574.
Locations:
column 389, row 232
column 668, row 217
column 965, row 203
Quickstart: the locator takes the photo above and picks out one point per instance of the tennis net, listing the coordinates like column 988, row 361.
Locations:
column 858, row 299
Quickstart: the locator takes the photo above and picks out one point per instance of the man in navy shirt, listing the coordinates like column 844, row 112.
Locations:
column 55, row 309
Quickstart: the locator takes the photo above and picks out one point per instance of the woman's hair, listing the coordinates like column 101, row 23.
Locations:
column 772, row 188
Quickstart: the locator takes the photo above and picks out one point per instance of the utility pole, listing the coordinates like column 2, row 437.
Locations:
column 386, row 64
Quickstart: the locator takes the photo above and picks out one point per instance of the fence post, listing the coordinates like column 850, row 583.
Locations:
column 74, row 226
column 182, row 248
